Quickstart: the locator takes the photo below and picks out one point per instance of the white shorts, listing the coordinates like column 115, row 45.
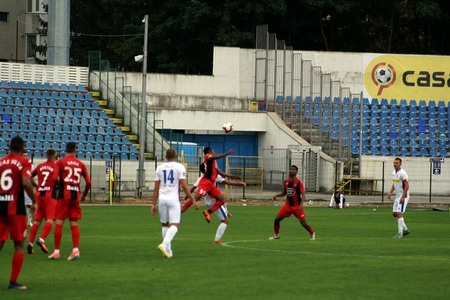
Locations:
column 169, row 211
column 28, row 200
column 397, row 207
column 221, row 213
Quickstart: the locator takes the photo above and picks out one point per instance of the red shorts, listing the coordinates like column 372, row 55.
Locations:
column 15, row 226
column 208, row 187
column 68, row 209
column 287, row 211
column 46, row 208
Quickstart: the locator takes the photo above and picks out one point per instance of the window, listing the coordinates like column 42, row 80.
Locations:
column 31, row 43
column 36, row 6
column 3, row 16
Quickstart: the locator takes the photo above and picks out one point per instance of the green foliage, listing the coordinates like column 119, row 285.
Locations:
column 182, row 34
column 353, row 257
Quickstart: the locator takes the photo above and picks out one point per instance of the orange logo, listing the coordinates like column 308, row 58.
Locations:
column 383, row 76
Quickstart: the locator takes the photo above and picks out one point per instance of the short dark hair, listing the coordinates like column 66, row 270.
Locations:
column 17, row 144
column 207, row 150
column 171, row 153
column 51, row 153
column 71, row 147
column 294, row 166
column 399, row 159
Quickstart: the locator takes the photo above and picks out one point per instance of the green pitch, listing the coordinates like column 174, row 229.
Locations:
column 353, row 257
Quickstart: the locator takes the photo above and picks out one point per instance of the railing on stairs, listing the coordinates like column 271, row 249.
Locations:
column 126, row 104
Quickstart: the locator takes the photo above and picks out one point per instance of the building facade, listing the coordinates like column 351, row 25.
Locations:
column 19, row 29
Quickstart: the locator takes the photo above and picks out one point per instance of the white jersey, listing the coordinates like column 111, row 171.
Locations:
column 398, row 179
column 170, row 173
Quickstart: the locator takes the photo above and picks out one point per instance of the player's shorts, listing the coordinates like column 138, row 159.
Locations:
column 68, row 209
column 169, row 211
column 398, row 207
column 28, row 200
column 46, row 208
column 15, row 226
column 287, row 211
column 222, row 212
column 205, row 186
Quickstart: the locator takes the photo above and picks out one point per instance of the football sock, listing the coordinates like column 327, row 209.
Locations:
column 400, row 223
column 310, row 229
column 17, row 262
column 164, row 231
column 186, row 205
column 170, row 234
column 75, row 236
column 215, row 206
column 276, row 229
column 46, row 230
column 58, row 235
column 404, row 225
column 220, row 231
column 33, row 232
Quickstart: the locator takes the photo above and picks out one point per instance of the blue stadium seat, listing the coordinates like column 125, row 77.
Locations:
column 98, row 147
column 101, row 130
column 384, row 151
column 75, row 129
column 424, row 152
column 107, row 148
column 404, row 151
column 116, row 148
column 90, row 148
column 106, row 156
column 82, row 138
column 394, row 151
column 84, row 130
column 108, row 139
column 414, row 152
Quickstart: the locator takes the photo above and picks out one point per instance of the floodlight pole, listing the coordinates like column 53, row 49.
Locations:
column 142, row 142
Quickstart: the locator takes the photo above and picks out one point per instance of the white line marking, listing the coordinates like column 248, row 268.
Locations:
column 230, row 244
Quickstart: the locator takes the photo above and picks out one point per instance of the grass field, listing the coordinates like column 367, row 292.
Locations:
column 353, row 257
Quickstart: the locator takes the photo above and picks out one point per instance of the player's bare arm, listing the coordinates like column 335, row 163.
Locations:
column 221, row 155
column 187, row 191
column 224, row 174
column 405, row 191
column 234, row 182
column 155, row 196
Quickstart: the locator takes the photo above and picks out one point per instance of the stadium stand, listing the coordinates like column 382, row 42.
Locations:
column 389, row 127
column 49, row 115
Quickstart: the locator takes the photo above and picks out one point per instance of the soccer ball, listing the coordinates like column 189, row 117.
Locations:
column 383, row 75
column 227, row 126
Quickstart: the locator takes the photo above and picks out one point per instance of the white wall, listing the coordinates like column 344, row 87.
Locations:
column 231, row 78
column 346, row 67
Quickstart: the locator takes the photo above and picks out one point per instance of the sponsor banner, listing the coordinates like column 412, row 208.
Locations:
column 407, row 77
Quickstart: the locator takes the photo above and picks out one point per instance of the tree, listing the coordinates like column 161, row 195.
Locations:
column 182, row 34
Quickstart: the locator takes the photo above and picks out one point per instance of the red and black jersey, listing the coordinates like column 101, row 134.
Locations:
column 210, row 168
column 71, row 169
column 47, row 173
column 293, row 189
column 12, row 168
